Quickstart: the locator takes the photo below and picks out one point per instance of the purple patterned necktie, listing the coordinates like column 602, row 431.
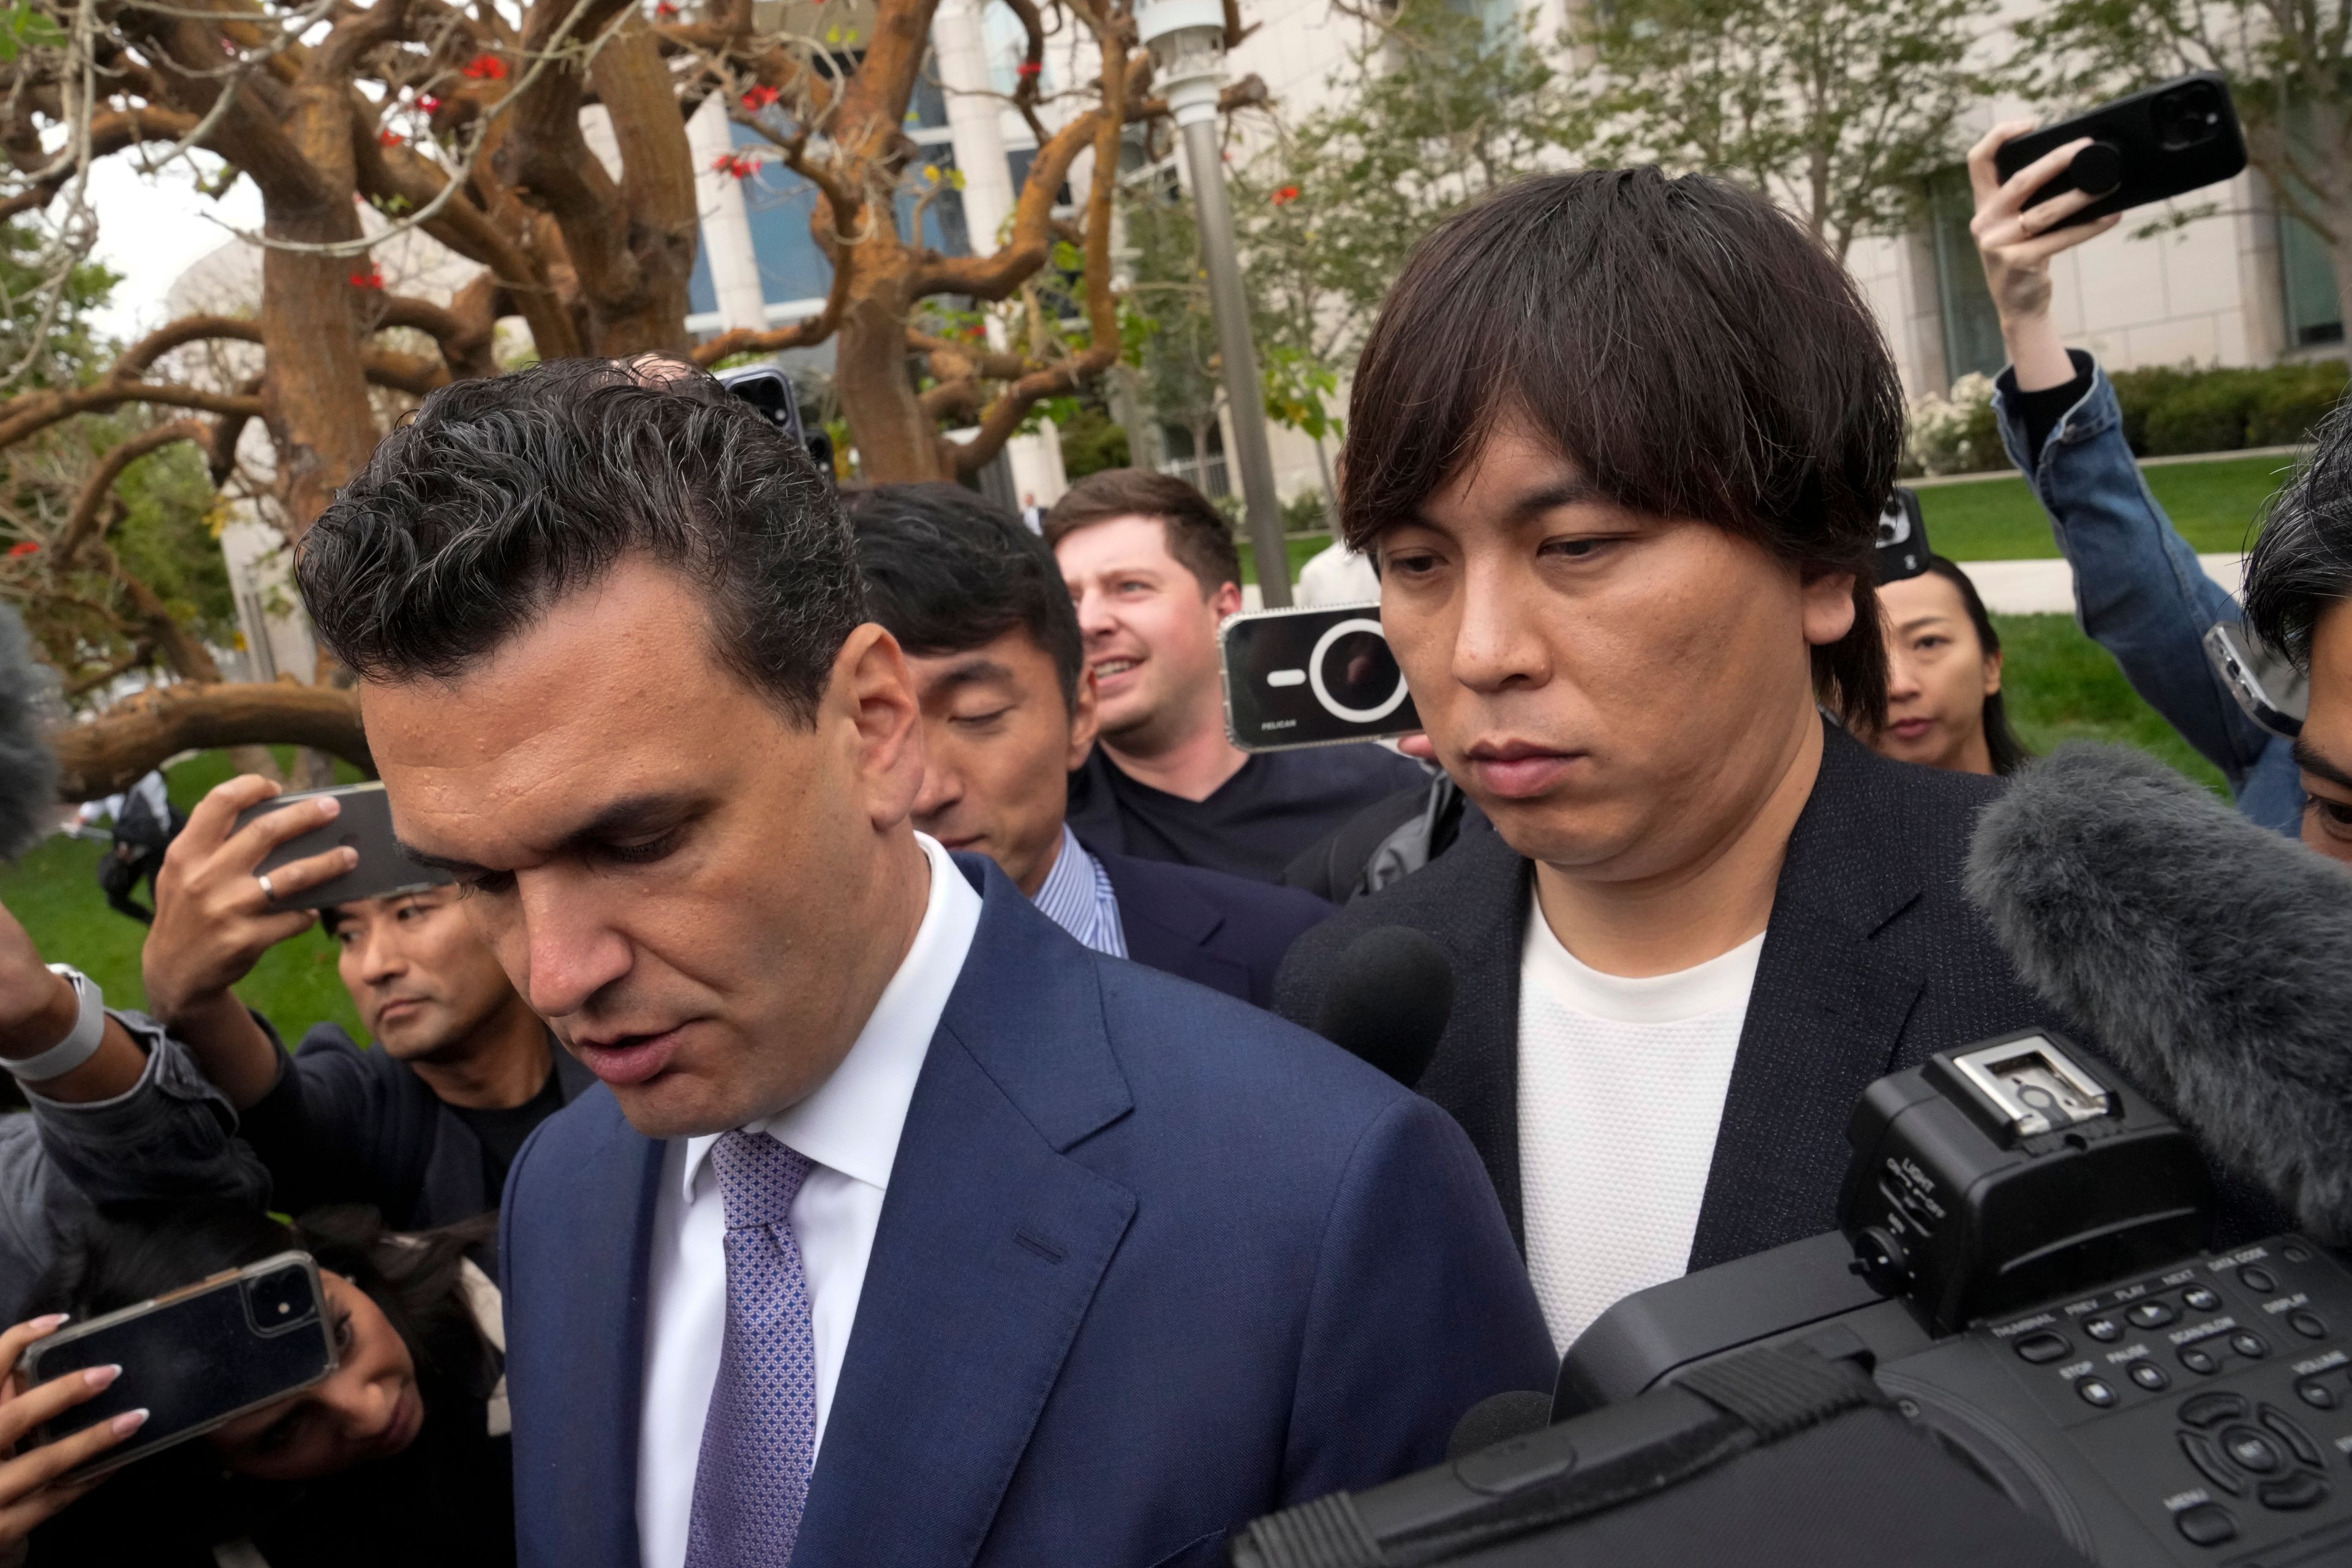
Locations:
column 751, row 1480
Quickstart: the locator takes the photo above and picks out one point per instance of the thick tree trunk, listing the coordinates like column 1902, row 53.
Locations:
column 110, row 753
column 897, row 441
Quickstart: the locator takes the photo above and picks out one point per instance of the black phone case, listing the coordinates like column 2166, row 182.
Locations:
column 2144, row 147
column 1291, row 679
column 195, row 1358
column 364, row 825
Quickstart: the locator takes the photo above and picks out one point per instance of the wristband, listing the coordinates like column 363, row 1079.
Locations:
column 81, row 1042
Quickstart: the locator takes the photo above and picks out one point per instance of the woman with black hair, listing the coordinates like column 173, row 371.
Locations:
column 400, row 1457
column 1943, row 691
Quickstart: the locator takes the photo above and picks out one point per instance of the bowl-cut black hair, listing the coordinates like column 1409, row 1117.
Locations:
column 498, row 497
column 945, row 572
column 2302, row 565
column 1687, row 343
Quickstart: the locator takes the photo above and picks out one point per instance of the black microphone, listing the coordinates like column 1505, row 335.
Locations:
column 2209, row 959
column 28, row 769
column 1390, row 996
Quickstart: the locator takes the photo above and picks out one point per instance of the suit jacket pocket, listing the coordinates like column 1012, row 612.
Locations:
column 1209, row 1552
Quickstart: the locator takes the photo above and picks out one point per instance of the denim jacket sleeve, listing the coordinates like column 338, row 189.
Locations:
column 170, row 1136
column 2139, row 592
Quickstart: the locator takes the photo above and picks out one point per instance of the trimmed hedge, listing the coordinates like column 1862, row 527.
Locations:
column 2171, row 411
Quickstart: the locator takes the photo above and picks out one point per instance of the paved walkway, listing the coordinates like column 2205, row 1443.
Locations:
column 2009, row 587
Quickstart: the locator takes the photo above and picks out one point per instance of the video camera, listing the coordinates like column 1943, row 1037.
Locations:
column 2020, row 1271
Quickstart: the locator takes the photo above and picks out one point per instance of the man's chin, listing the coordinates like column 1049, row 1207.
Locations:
column 1562, row 833
column 677, row 1104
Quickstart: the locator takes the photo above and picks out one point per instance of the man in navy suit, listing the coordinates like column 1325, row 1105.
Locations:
column 978, row 605
column 904, row 1229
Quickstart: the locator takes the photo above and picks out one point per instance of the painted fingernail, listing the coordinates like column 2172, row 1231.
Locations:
column 100, row 1376
column 44, row 1325
column 127, row 1423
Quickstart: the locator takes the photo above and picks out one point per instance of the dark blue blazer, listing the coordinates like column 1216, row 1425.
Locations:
column 1216, row 929
column 1151, row 1263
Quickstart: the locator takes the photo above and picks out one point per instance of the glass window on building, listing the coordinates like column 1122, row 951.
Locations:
column 1971, row 326
column 2315, row 310
column 1204, row 471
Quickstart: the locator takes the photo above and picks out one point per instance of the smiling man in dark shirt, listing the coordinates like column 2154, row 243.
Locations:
column 1153, row 571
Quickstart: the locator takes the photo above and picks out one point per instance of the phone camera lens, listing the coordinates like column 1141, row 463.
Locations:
column 1354, row 675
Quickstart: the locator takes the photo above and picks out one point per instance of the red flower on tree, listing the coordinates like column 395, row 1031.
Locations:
column 428, row 103
column 742, row 165
column 24, row 547
column 373, row 278
column 1286, row 195
column 665, row 11
column 389, row 137
column 1028, row 68
column 756, row 99
column 486, row 67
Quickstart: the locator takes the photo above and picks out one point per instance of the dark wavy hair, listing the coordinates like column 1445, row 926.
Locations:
column 2302, row 565
column 1684, row 342
column 2009, row 753
column 498, row 496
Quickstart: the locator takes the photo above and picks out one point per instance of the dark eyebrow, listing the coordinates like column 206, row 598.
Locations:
column 630, row 814
column 972, row 672
column 2308, row 758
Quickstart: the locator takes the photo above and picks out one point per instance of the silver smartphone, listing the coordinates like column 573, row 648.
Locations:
column 364, row 824
column 196, row 1358
column 1316, row 676
column 2273, row 693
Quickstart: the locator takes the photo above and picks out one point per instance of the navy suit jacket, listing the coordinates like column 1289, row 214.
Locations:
column 1217, row 929
column 1151, row 1263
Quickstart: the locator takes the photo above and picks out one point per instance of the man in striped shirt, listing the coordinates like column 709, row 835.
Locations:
column 979, row 605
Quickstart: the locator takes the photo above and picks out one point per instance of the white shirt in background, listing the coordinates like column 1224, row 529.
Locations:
column 1621, row 1085
column 849, row 1127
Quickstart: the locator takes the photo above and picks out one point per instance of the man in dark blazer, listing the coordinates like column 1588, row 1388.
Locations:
column 1009, row 707
column 1625, row 571
column 903, row 1229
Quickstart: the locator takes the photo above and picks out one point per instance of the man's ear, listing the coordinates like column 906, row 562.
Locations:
column 1226, row 600
column 1829, row 608
column 1085, row 720
column 872, row 693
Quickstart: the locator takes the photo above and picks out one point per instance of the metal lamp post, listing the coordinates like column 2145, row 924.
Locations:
column 1187, row 39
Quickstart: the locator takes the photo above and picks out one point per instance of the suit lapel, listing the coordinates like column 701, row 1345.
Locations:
column 991, row 1245
column 1824, row 1019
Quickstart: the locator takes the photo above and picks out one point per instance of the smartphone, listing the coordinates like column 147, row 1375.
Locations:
column 365, row 824
column 769, row 391
column 194, row 1358
column 2273, row 693
column 2176, row 137
column 1313, row 677
column 1902, row 537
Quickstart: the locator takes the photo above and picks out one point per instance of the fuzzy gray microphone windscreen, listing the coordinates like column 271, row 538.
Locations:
column 2209, row 959
column 28, row 769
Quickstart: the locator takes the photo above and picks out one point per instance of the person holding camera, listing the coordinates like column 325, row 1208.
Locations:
column 1153, row 571
column 2139, row 590
column 423, row 1127
column 1620, row 445
column 1008, row 705
column 1944, row 705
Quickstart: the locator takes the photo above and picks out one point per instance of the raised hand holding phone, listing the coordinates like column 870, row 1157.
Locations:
column 2016, row 241
column 30, row 1489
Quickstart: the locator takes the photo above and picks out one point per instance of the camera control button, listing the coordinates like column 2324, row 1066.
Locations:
column 2308, row 1324
column 2255, row 1277
column 2294, row 1254
column 2092, row 1392
column 2317, row 1394
column 2150, row 1376
column 2106, row 1331
column 2037, row 1349
column 2250, row 1450
column 2209, row 1464
column 2206, row 1524
column 2248, row 1343
column 2151, row 1315
column 2298, row 1490
column 2202, row 1298
column 2282, row 1427
column 2199, row 1360
column 2211, row 1409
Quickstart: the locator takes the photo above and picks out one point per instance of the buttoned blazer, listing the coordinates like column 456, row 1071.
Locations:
column 1151, row 1263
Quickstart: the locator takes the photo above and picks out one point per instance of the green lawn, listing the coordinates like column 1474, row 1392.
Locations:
column 1999, row 519
column 2059, row 685
column 54, row 890
column 1302, row 550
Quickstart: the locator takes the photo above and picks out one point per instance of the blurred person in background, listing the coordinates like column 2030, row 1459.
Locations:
column 1009, row 710
column 2139, row 591
column 2299, row 600
column 424, row 1126
column 1944, row 705
column 1152, row 568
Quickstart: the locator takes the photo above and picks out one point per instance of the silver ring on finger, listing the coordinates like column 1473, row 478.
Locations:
column 267, row 891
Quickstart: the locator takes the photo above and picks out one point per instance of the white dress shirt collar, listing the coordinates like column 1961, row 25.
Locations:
column 852, row 1121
